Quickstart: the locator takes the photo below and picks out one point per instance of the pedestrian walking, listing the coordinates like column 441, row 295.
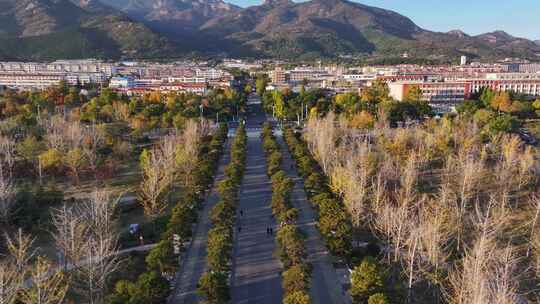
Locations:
column 239, row 228
column 241, row 212
column 271, row 231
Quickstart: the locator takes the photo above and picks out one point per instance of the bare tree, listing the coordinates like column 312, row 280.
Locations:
column 55, row 127
column 488, row 273
column 69, row 235
column 156, row 181
column 101, row 260
column 49, row 286
column 358, row 173
column 100, row 248
column 10, row 282
column 14, row 267
column 7, row 197
column 321, row 136
column 187, row 153
column 20, row 250
column 7, row 155
column 93, row 140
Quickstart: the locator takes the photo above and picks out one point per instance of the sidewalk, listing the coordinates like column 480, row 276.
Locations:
column 193, row 261
column 325, row 281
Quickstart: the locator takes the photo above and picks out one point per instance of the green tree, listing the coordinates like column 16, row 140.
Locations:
column 348, row 103
column 536, row 106
column 260, row 84
column 50, row 159
column 414, row 94
column 279, row 104
column 213, row 287
column 297, row 297
column 486, row 96
column 378, row 298
column 122, row 293
column 378, row 92
column 29, row 148
column 161, row 258
column 74, row 160
column 502, row 102
column 151, row 288
column 291, row 246
column 366, row 280
column 295, row 279
column 483, row 116
column 502, row 123
column 219, row 249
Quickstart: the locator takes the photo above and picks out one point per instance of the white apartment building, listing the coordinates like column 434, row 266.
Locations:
column 61, row 66
column 303, row 73
column 210, row 73
column 25, row 81
column 513, row 76
column 359, row 77
column 521, row 83
column 187, row 79
column 82, row 66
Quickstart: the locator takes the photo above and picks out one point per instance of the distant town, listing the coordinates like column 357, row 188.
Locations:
column 442, row 86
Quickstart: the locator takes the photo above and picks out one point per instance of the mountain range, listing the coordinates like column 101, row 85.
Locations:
column 49, row 29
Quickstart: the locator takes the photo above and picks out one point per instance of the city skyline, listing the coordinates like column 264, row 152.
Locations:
column 462, row 15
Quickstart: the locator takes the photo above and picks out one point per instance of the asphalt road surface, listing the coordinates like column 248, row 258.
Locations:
column 256, row 277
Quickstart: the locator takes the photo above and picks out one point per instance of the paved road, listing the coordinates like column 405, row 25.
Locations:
column 193, row 261
column 256, row 272
column 325, row 282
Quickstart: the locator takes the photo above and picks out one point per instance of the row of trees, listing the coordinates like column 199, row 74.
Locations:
column 360, row 110
column 290, row 240
column 214, row 285
column 152, row 110
column 454, row 211
column 203, row 152
column 333, row 222
column 499, row 111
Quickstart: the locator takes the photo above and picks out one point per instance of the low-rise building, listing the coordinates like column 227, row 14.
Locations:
column 433, row 92
column 25, row 81
column 121, row 82
column 195, row 88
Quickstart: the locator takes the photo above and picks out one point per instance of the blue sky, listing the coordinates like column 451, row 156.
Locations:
column 517, row 17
